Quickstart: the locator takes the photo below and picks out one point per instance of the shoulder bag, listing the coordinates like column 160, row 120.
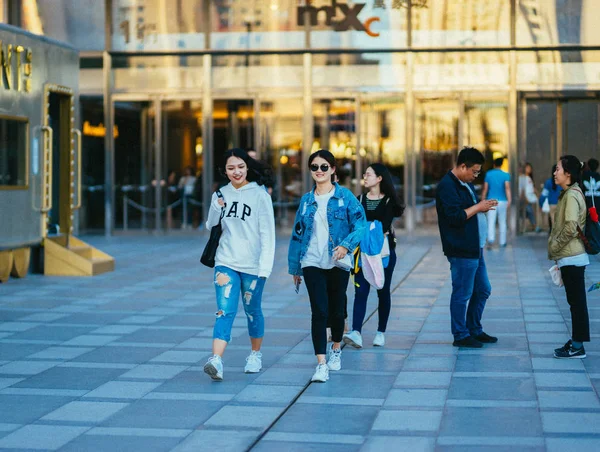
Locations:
column 210, row 250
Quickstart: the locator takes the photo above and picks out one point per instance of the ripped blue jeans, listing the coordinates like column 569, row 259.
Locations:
column 229, row 284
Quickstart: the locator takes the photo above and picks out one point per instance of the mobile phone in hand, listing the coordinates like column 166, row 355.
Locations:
column 297, row 286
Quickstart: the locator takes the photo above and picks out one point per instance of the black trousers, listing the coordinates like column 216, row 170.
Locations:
column 574, row 281
column 327, row 293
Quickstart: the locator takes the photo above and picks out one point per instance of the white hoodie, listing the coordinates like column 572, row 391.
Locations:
column 247, row 244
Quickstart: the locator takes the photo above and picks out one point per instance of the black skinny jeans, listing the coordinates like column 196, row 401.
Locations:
column 327, row 293
column 361, row 294
column 574, row 281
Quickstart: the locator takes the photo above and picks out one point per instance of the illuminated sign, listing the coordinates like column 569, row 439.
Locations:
column 349, row 20
column 98, row 131
column 17, row 58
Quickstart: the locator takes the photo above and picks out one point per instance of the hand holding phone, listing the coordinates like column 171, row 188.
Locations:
column 297, row 281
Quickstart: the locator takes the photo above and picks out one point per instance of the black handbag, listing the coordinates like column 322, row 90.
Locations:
column 210, row 250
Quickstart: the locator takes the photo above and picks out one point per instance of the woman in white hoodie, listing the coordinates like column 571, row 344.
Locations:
column 245, row 255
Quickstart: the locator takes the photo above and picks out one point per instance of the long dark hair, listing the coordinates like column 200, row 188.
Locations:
column 258, row 171
column 573, row 166
column 327, row 156
column 386, row 186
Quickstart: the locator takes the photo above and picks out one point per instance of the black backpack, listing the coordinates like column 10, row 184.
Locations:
column 591, row 237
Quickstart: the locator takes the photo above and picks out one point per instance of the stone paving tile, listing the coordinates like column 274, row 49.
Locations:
column 310, row 418
column 122, row 390
column 70, row 378
column 395, row 421
column 174, row 414
column 399, row 443
column 571, row 423
column 244, row 417
column 492, row 388
column 459, row 421
column 50, row 437
column 228, row 440
column 85, row 412
column 562, row 380
column 95, row 443
column 572, row 444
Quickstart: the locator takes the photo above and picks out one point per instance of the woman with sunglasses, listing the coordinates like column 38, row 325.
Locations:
column 244, row 257
column 380, row 203
column 329, row 224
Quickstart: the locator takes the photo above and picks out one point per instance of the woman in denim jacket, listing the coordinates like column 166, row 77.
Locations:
column 329, row 223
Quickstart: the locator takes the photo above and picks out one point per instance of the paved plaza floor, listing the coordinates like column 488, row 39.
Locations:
column 114, row 362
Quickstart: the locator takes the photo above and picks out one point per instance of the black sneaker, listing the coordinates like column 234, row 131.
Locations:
column 568, row 351
column 468, row 342
column 486, row 338
column 564, row 348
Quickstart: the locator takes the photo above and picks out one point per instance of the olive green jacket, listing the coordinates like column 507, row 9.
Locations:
column 571, row 212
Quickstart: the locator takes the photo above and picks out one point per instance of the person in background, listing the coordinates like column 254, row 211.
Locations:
column 329, row 224
column 463, row 229
column 528, row 197
column 591, row 183
column 244, row 258
column 497, row 186
column 550, row 193
column 568, row 251
column 187, row 183
column 381, row 203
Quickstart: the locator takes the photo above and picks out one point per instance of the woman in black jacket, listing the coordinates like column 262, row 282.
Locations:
column 380, row 203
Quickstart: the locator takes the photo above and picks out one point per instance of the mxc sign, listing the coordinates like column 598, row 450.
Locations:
column 349, row 21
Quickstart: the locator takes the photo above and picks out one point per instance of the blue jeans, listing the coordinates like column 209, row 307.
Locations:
column 470, row 290
column 229, row 284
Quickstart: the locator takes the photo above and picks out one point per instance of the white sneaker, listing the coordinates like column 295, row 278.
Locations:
column 253, row 362
column 353, row 338
column 379, row 340
column 335, row 359
column 214, row 368
column 321, row 374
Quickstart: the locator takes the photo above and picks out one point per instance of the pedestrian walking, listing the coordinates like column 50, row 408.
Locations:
column 549, row 199
column 528, row 197
column 381, row 203
column 568, row 251
column 463, row 229
column 497, row 186
column 328, row 227
column 245, row 255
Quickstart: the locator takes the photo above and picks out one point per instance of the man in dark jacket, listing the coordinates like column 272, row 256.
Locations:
column 463, row 229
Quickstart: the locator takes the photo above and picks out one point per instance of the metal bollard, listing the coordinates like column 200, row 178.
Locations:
column 184, row 222
column 125, row 211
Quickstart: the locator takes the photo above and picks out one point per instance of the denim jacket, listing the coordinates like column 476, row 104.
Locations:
column 347, row 224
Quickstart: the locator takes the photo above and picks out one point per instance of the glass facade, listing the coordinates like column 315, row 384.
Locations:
column 405, row 82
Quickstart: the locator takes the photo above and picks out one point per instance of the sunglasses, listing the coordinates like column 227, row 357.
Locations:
column 324, row 167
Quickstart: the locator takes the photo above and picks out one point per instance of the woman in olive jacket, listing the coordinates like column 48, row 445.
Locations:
column 567, row 249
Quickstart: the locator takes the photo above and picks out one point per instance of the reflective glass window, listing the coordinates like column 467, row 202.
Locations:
column 368, row 71
column 366, row 24
column 454, row 23
column 551, row 22
column 13, row 152
column 272, row 72
column 255, row 24
column 557, row 70
column 147, row 74
column 158, row 25
column 456, row 71
column 77, row 22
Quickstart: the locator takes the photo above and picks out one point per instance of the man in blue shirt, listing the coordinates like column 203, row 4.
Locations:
column 497, row 186
column 463, row 230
